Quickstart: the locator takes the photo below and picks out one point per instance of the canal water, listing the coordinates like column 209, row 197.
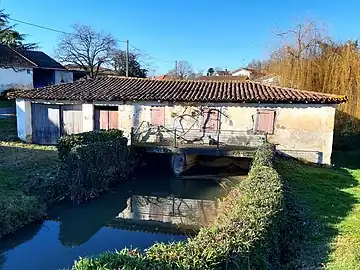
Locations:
column 137, row 214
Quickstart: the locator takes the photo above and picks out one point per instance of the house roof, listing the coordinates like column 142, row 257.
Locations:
column 222, row 78
column 11, row 57
column 223, row 72
column 164, row 77
column 248, row 69
column 136, row 89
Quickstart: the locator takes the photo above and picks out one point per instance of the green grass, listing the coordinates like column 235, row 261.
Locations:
column 23, row 168
column 329, row 205
column 5, row 103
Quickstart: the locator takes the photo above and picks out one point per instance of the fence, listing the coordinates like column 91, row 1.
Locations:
column 179, row 137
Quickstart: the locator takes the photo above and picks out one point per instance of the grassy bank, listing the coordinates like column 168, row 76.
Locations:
column 244, row 235
column 23, row 168
column 328, row 202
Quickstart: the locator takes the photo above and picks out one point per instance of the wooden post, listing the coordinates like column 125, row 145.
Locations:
column 219, row 127
column 132, row 135
column 175, row 138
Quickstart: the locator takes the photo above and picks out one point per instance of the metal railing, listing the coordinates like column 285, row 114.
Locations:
column 147, row 134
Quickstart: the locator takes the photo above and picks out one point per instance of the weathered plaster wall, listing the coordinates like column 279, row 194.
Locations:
column 301, row 130
column 23, row 114
column 15, row 78
column 88, row 117
column 63, row 76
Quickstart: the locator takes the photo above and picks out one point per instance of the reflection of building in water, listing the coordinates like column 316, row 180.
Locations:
column 193, row 212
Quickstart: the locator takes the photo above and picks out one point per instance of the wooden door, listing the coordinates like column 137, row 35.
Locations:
column 71, row 119
column 45, row 123
column 158, row 116
column 106, row 117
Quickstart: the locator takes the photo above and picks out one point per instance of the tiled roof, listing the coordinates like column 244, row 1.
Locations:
column 222, row 78
column 42, row 60
column 11, row 57
column 133, row 89
column 223, row 72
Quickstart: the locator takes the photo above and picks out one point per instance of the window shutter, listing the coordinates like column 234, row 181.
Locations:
column 212, row 124
column 158, row 116
column 265, row 122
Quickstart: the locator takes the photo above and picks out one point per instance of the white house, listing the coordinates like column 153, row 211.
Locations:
column 183, row 114
column 247, row 72
column 26, row 69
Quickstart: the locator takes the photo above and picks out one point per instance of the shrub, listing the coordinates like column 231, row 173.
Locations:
column 92, row 162
column 245, row 234
column 17, row 210
column 66, row 143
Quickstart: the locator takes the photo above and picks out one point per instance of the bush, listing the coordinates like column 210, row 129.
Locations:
column 245, row 234
column 66, row 143
column 17, row 210
column 346, row 132
column 92, row 162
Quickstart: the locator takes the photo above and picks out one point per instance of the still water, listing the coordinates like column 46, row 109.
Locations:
column 137, row 214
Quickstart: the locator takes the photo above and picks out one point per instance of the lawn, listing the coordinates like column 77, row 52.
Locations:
column 23, row 168
column 329, row 205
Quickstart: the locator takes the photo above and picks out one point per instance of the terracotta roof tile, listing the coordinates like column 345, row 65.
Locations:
column 124, row 89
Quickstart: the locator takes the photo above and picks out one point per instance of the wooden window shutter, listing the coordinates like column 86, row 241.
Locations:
column 158, row 116
column 265, row 121
column 212, row 124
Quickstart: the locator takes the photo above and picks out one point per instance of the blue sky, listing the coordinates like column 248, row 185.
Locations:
column 226, row 34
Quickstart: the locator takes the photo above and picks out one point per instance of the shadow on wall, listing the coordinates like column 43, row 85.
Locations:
column 316, row 203
column 346, row 131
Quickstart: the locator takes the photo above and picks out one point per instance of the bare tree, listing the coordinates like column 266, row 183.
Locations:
column 303, row 41
column 86, row 48
column 183, row 71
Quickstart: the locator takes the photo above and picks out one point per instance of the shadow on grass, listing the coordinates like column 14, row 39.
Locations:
column 8, row 129
column 316, row 203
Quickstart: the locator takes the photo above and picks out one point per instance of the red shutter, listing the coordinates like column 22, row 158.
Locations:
column 265, row 122
column 213, row 119
column 158, row 116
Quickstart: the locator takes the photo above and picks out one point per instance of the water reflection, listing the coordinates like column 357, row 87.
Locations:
column 136, row 214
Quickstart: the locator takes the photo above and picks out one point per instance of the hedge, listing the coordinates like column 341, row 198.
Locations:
column 92, row 162
column 245, row 234
column 66, row 143
column 18, row 209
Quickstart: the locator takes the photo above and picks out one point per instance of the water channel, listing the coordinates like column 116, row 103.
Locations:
column 136, row 214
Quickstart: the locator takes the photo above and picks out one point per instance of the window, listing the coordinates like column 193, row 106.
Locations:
column 264, row 122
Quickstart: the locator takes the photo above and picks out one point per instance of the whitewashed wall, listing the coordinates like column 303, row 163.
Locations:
column 65, row 76
column 301, row 130
column 15, row 78
column 23, row 120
